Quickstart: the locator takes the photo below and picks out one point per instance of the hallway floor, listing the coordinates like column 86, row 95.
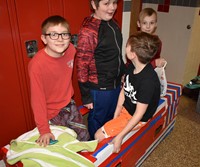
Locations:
column 181, row 148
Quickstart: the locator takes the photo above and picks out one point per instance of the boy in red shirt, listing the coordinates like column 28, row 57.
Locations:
column 50, row 73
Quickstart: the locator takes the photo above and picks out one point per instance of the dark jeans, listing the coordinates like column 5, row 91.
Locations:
column 104, row 103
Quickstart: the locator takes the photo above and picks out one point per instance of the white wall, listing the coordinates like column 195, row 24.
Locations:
column 125, row 31
column 193, row 57
column 180, row 46
column 175, row 37
column 125, row 28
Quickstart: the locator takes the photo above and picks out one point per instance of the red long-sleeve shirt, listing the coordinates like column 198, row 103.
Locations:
column 51, row 85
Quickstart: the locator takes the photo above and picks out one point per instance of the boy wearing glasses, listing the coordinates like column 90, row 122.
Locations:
column 50, row 73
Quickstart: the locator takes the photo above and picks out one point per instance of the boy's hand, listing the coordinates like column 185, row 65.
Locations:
column 44, row 139
column 117, row 142
column 89, row 106
column 160, row 62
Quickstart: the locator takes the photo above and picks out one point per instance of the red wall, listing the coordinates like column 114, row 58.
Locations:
column 20, row 21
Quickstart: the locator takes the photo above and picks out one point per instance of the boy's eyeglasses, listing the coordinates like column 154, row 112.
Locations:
column 55, row 36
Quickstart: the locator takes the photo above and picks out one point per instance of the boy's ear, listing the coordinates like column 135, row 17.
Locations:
column 93, row 5
column 43, row 38
column 138, row 24
column 132, row 55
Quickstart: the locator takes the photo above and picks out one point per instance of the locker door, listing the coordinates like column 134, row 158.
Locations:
column 19, row 22
column 13, row 93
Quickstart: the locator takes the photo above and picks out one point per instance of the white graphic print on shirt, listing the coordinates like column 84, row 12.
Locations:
column 129, row 90
column 70, row 63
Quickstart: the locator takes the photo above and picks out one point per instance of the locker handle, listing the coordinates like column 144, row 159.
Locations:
column 157, row 131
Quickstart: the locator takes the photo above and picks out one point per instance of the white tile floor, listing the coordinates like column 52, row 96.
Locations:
column 2, row 164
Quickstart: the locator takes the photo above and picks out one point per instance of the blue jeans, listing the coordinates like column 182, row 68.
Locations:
column 104, row 104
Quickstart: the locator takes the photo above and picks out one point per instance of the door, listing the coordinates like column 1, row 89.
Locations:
column 175, row 31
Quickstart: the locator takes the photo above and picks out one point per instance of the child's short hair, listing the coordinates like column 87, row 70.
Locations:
column 144, row 45
column 146, row 12
column 52, row 21
column 96, row 2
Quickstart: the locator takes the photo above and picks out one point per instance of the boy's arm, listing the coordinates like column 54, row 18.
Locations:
column 153, row 63
column 84, row 56
column 38, row 104
column 120, row 103
column 159, row 62
column 140, row 110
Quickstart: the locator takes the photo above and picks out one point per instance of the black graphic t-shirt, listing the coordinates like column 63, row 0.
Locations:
column 143, row 87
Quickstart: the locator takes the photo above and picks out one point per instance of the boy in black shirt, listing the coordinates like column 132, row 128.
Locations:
column 139, row 98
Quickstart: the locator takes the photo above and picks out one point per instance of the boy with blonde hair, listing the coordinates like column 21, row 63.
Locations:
column 147, row 22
